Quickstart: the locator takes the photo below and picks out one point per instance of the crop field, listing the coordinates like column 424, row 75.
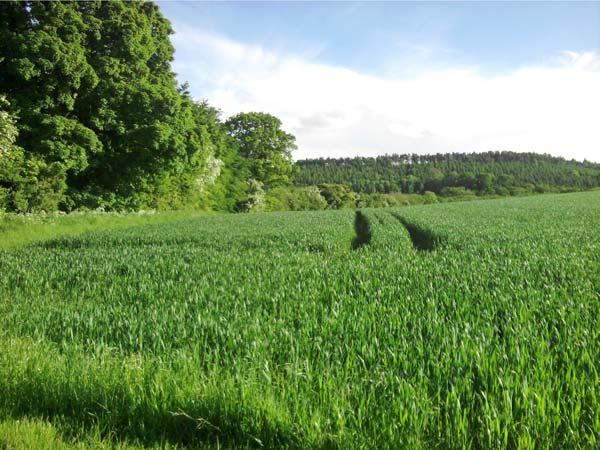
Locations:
column 462, row 325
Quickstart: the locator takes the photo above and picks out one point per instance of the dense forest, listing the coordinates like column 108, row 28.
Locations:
column 92, row 117
column 500, row 173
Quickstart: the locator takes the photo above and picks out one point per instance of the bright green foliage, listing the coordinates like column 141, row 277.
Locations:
column 100, row 117
column 17, row 230
column 295, row 199
column 462, row 325
column 29, row 434
column 337, row 195
column 265, row 146
column 153, row 149
column 11, row 156
column 8, row 130
column 43, row 70
column 221, row 182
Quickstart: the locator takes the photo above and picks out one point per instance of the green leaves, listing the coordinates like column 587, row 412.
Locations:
column 94, row 93
column 267, row 148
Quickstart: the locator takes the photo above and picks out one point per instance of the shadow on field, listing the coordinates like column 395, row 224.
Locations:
column 146, row 404
column 208, row 430
column 362, row 229
column 423, row 239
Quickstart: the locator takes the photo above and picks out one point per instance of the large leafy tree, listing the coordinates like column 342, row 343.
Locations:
column 43, row 69
column 102, row 122
column 152, row 147
column 226, row 173
column 100, row 117
column 265, row 146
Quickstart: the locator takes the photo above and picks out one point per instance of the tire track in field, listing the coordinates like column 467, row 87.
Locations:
column 369, row 227
column 423, row 239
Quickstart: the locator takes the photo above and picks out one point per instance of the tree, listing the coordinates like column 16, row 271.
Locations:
column 484, row 182
column 433, row 179
column 154, row 149
column 11, row 156
column 255, row 200
column 43, row 69
column 337, row 195
column 100, row 115
column 487, row 173
column 266, row 147
column 229, row 189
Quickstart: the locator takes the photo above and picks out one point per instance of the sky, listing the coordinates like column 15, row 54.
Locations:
column 373, row 78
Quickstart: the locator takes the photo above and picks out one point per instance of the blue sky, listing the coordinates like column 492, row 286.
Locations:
column 504, row 75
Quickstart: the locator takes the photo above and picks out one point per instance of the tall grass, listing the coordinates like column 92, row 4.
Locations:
column 268, row 330
column 17, row 230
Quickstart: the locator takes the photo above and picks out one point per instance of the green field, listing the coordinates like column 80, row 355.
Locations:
column 463, row 325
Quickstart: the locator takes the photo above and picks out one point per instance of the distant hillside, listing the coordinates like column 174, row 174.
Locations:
column 500, row 173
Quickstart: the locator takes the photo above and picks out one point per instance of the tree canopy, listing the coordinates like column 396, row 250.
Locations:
column 265, row 146
column 102, row 121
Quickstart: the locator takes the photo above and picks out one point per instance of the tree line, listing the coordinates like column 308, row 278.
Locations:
column 91, row 116
column 492, row 173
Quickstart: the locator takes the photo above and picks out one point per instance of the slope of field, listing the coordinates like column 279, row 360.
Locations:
column 17, row 230
column 473, row 325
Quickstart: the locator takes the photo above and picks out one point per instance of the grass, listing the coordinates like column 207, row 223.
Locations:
column 35, row 434
column 17, row 230
column 270, row 331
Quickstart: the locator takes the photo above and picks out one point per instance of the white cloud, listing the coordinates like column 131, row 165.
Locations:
column 335, row 111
